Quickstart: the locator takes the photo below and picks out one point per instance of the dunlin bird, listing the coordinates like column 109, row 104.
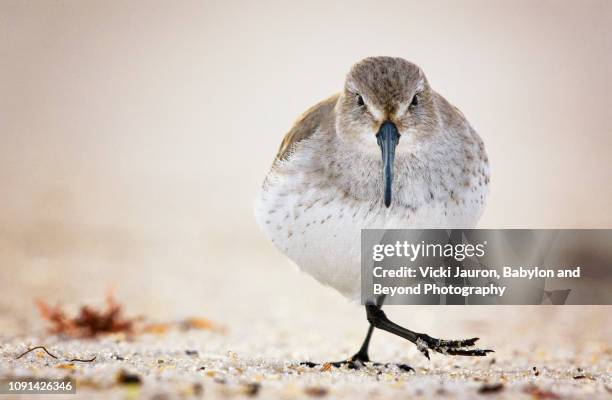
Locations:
column 386, row 152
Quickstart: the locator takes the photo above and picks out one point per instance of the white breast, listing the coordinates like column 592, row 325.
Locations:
column 320, row 230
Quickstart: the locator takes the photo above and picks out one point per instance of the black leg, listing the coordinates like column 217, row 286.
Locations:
column 378, row 319
column 424, row 342
column 362, row 354
column 357, row 360
column 362, row 357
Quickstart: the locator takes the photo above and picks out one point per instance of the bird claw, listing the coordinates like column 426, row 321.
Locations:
column 449, row 347
column 359, row 364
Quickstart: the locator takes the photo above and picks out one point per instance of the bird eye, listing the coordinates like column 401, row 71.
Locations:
column 359, row 100
column 415, row 101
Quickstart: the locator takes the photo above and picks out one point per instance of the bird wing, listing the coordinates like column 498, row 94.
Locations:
column 307, row 124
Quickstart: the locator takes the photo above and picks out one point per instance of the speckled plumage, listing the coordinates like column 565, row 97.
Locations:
column 325, row 184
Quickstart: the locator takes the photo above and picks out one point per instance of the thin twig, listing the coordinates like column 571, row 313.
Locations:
column 82, row 360
column 36, row 348
column 54, row 356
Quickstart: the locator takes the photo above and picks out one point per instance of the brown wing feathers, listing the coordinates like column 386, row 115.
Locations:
column 307, row 124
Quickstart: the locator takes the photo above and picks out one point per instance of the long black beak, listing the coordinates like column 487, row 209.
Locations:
column 387, row 138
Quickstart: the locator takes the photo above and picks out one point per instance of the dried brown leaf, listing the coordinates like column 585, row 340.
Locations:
column 89, row 322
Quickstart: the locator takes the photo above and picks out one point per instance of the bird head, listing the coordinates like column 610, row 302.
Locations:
column 386, row 107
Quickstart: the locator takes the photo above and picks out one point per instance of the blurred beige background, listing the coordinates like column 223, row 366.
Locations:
column 135, row 135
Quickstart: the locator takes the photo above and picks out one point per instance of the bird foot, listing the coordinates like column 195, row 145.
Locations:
column 359, row 361
column 424, row 342
column 449, row 347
